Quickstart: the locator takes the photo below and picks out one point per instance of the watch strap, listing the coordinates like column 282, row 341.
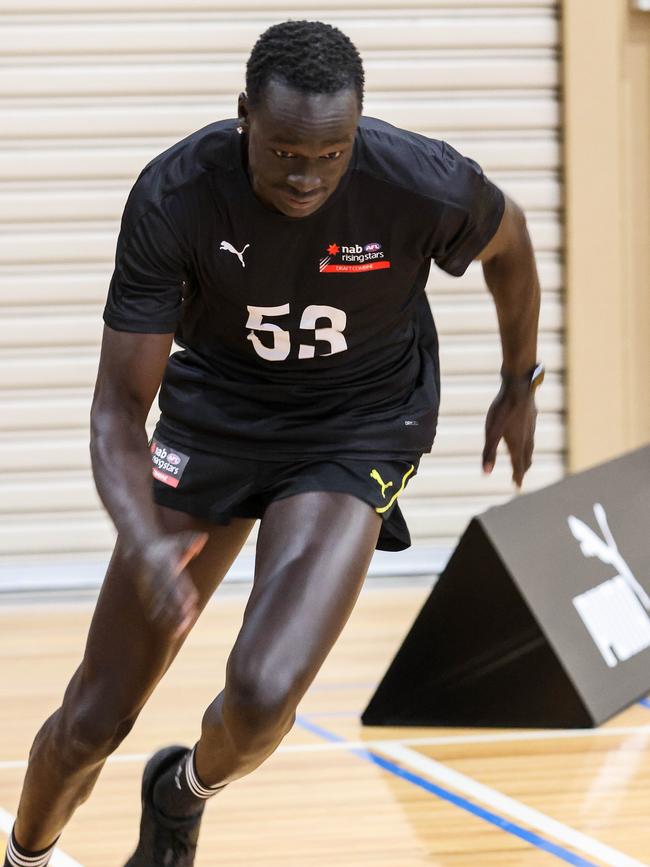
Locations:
column 532, row 379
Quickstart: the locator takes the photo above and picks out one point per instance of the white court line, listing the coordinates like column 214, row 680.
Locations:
column 503, row 804
column 501, row 737
column 59, row 858
column 442, row 740
column 398, row 749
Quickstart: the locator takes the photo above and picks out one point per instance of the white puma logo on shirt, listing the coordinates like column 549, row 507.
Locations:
column 225, row 245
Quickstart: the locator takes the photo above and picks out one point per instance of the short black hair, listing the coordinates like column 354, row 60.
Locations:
column 310, row 56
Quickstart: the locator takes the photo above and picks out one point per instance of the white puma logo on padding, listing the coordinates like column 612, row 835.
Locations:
column 225, row 245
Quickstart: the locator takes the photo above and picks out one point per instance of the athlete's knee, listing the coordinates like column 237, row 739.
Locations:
column 88, row 732
column 258, row 707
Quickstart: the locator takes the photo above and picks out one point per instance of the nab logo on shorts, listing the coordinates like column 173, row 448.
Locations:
column 353, row 258
column 168, row 465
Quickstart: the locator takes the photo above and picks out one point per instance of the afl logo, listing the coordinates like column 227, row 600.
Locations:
column 372, row 248
column 173, row 459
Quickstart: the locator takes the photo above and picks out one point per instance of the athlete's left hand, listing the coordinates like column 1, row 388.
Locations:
column 512, row 417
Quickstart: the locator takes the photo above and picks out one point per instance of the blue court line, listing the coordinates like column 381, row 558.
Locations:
column 458, row 801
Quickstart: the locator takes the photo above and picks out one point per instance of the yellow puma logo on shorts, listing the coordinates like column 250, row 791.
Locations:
column 375, row 475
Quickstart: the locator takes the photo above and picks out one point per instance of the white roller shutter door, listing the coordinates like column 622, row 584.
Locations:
column 92, row 89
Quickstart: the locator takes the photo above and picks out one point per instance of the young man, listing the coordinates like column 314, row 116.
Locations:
column 287, row 252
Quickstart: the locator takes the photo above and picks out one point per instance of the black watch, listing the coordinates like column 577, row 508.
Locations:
column 532, row 379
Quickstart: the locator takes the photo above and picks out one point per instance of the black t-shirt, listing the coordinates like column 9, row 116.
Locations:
column 301, row 336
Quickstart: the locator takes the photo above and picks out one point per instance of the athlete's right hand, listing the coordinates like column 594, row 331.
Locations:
column 169, row 598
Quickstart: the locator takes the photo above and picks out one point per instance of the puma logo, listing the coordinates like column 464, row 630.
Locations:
column 225, row 245
column 383, row 485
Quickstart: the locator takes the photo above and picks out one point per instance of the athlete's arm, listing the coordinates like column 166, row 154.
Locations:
column 511, row 275
column 131, row 368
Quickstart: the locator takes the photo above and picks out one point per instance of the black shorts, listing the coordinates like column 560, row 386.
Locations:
column 218, row 488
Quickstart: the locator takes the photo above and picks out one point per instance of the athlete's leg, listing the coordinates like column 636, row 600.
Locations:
column 312, row 556
column 125, row 657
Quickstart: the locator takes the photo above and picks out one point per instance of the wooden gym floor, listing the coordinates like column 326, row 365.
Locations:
column 336, row 793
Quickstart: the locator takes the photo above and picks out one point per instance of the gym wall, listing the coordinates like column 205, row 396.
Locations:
column 91, row 90
column 607, row 155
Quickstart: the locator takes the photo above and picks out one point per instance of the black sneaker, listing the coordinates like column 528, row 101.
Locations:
column 164, row 842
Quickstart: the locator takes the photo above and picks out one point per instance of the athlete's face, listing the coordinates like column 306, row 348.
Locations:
column 299, row 145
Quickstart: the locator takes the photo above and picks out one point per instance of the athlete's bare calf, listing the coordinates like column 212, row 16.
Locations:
column 312, row 556
column 125, row 657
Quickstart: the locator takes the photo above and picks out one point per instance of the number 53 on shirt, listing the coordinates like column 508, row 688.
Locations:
column 333, row 333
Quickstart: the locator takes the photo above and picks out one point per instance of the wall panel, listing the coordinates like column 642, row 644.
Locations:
column 91, row 90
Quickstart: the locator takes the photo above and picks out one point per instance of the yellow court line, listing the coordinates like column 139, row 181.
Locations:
column 396, row 494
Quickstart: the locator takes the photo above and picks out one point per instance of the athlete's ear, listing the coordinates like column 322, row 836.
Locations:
column 243, row 111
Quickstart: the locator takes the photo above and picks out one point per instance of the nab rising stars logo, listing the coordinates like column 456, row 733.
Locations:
column 353, row 259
